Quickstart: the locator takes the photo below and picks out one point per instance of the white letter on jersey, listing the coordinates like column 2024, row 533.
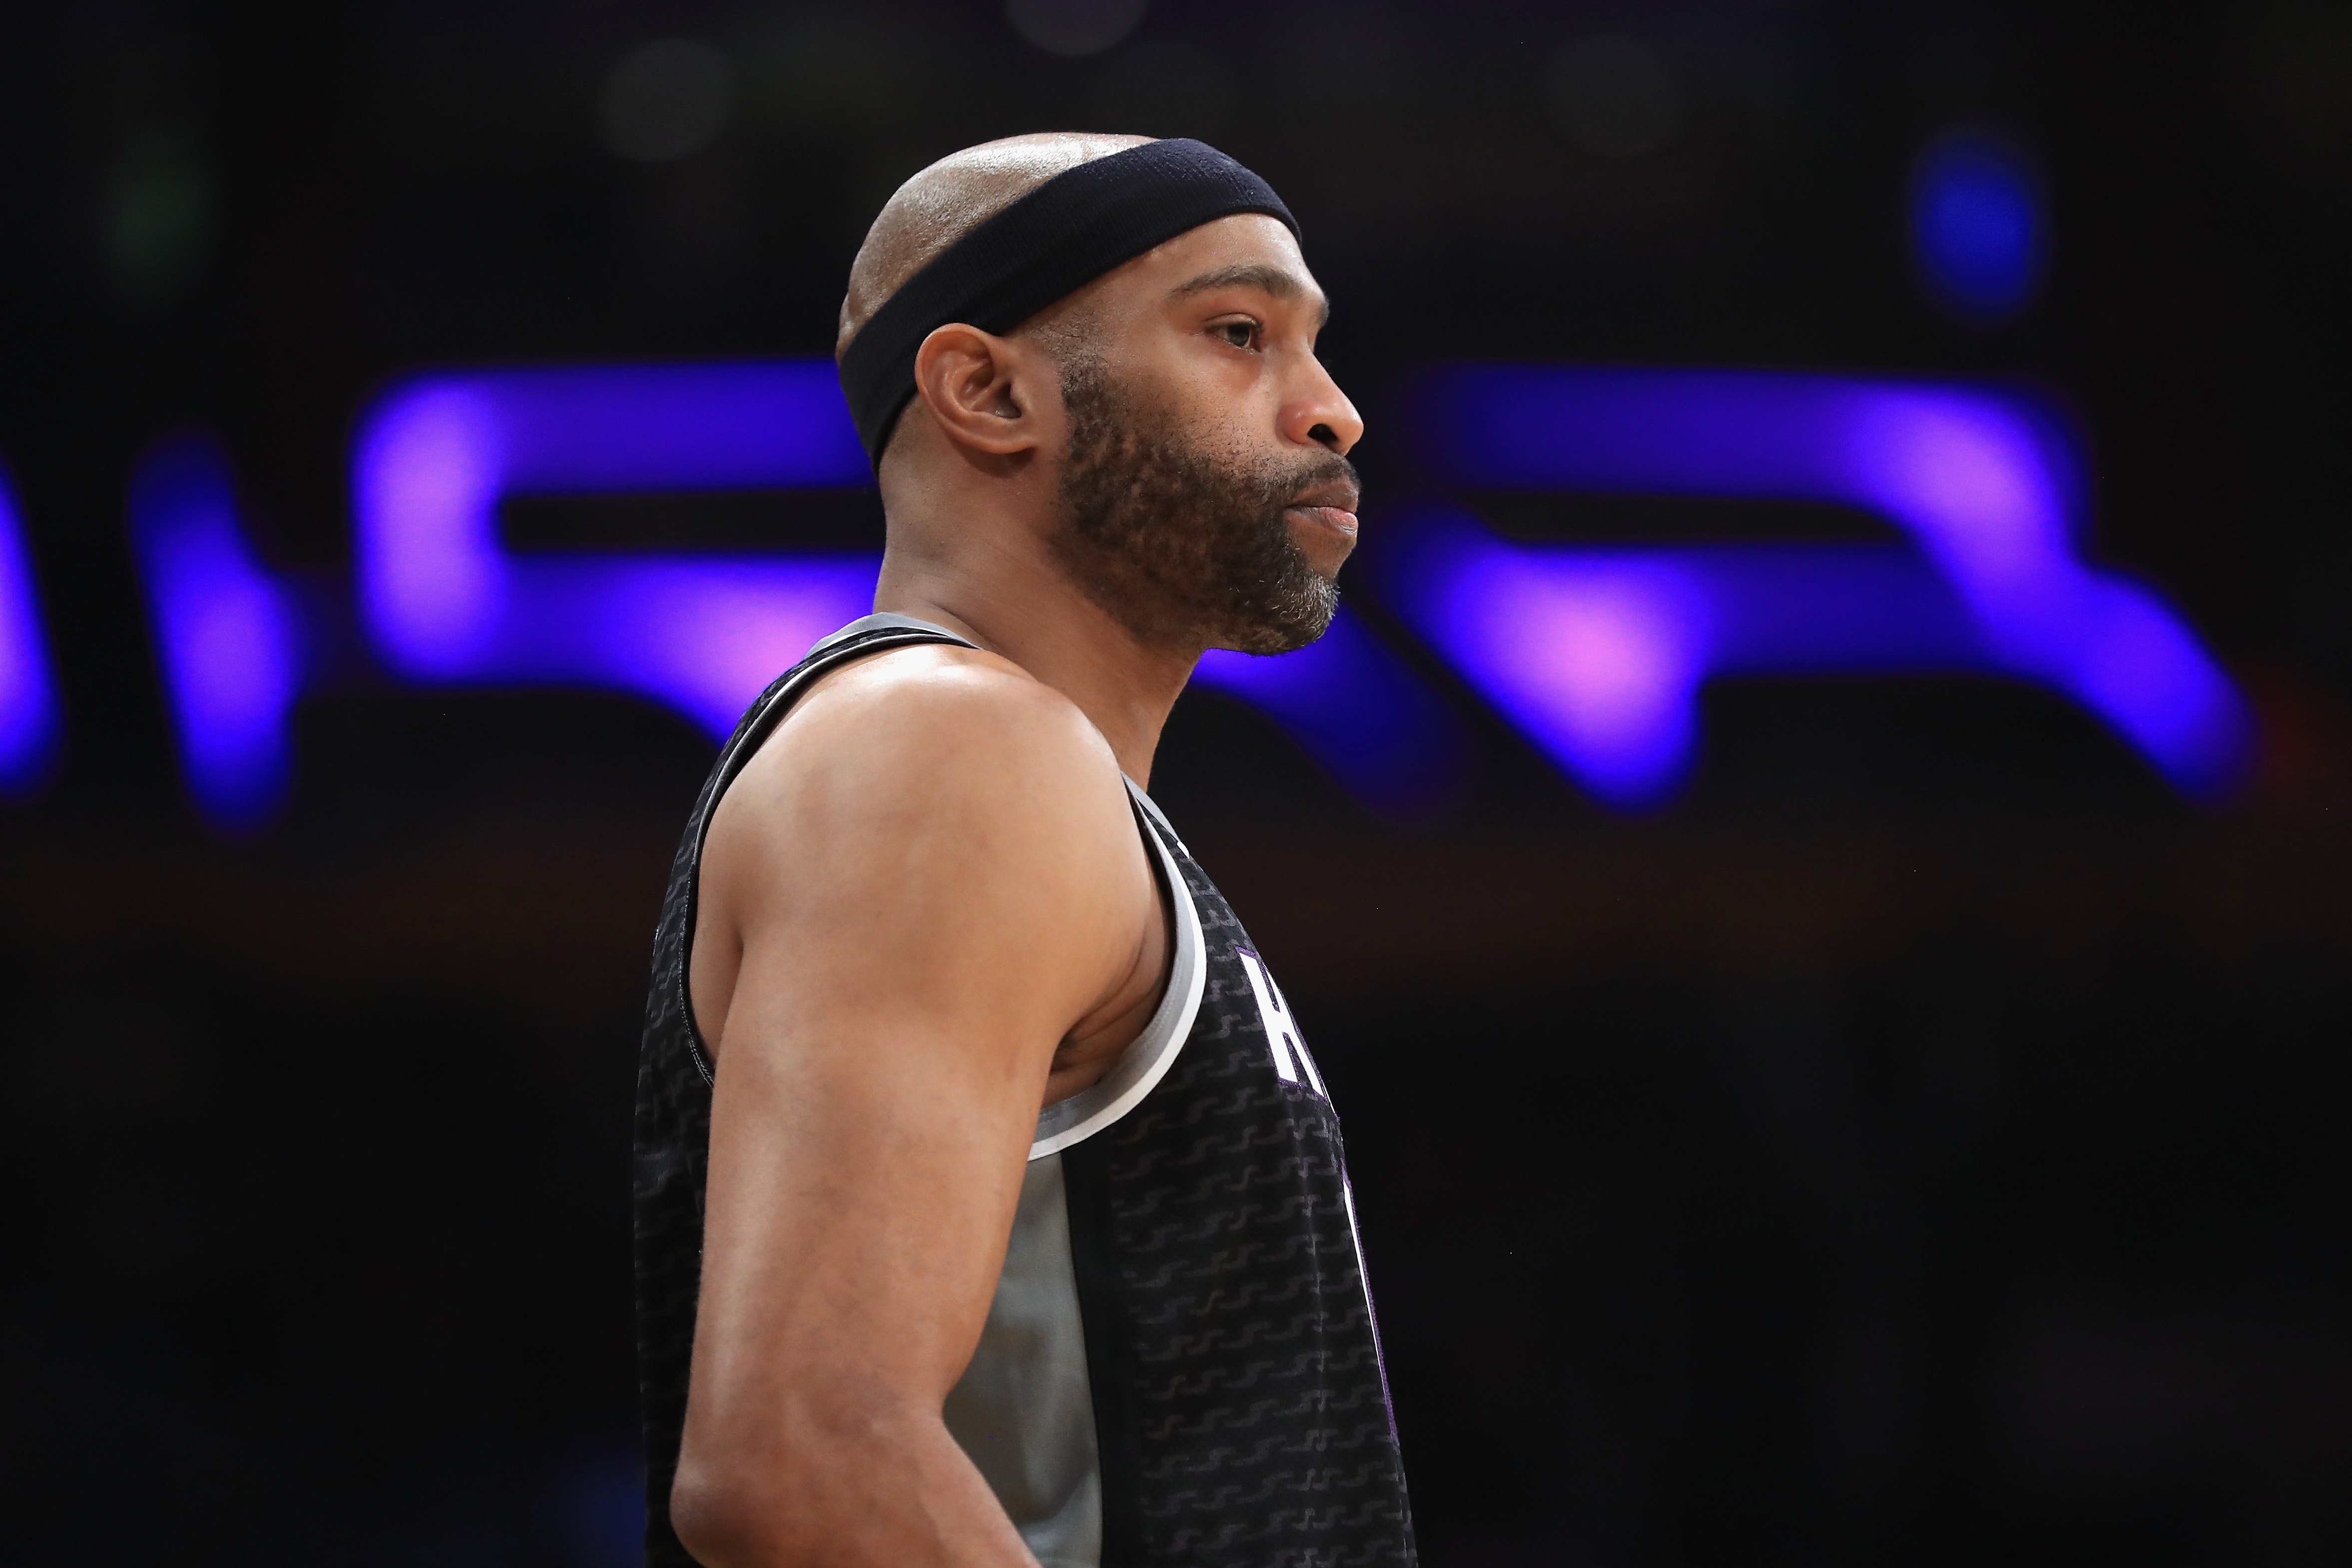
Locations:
column 1281, row 1036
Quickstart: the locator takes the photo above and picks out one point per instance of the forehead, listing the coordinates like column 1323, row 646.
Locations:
column 1243, row 240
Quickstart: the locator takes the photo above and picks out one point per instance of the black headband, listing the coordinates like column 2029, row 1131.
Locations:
column 1059, row 237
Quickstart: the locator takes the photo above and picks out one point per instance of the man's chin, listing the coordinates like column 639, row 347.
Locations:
column 1283, row 633
column 1324, row 545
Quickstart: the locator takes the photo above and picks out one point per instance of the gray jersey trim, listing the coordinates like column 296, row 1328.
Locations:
column 1147, row 1059
column 1141, row 1066
column 888, row 621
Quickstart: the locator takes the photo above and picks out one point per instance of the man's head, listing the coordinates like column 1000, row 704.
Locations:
column 1164, row 430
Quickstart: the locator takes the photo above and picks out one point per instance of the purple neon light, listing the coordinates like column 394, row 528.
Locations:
column 1598, row 655
column 227, row 633
column 700, row 634
column 443, row 600
column 28, row 700
column 1358, row 708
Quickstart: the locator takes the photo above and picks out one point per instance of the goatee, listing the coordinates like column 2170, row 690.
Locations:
column 1176, row 546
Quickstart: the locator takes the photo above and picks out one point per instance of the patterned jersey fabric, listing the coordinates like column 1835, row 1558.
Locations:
column 1241, row 1410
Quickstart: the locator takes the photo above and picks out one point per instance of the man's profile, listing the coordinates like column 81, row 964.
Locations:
column 989, row 1208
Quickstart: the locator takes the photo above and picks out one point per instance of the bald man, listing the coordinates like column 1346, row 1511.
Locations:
column 990, row 1209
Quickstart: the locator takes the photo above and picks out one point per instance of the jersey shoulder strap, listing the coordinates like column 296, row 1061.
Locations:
column 874, row 634
column 675, row 939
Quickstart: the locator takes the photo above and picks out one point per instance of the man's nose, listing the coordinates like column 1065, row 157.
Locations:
column 1322, row 416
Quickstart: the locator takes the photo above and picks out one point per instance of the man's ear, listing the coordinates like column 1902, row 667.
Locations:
column 982, row 389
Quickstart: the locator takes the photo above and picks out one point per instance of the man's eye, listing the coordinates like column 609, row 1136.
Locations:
column 1240, row 334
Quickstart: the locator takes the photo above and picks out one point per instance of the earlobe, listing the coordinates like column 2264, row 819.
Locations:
column 971, row 381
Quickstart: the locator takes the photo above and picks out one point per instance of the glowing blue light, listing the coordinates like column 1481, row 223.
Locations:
column 227, row 633
column 1356, row 708
column 443, row 600
column 1598, row 655
column 1596, row 658
column 29, row 700
column 1977, row 225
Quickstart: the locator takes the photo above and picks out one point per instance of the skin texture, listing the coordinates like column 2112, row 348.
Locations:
column 925, row 909
column 1176, row 542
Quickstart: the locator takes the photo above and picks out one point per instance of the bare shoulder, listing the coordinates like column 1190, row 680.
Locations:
column 935, row 722
column 950, row 753
column 952, row 701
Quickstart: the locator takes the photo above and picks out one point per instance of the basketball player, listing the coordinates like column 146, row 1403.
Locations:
column 989, row 1208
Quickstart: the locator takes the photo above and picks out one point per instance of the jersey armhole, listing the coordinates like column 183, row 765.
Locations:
column 1146, row 1060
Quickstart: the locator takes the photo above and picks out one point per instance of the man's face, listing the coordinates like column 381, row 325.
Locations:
column 1204, row 496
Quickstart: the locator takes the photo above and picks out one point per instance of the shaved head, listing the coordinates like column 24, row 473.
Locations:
column 1109, row 382
column 947, row 201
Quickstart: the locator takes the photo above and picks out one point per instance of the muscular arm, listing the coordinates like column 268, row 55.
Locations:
column 924, row 883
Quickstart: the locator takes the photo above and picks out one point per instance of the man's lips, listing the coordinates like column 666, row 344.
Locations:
column 1335, row 517
column 1332, row 505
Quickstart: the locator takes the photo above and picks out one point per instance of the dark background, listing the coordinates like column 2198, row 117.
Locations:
column 1923, row 1140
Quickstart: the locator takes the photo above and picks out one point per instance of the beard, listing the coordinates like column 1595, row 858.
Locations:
column 1178, row 547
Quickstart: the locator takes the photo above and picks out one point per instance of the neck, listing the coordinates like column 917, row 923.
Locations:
column 1017, row 602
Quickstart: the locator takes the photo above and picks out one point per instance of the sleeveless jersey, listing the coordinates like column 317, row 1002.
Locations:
column 1180, row 1366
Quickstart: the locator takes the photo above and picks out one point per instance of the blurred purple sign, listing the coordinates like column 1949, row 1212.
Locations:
column 1597, row 654
column 28, row 702
column 229, row 637
column 444, row 601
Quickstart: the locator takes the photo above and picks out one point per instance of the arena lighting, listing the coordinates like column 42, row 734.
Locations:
column 1598, row 655
column 228, row 634
column 1358, row 708
column 28, row 701
column 444, row 599
column 1977, row 224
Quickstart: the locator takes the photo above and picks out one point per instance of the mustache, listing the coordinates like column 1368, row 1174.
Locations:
column 1313, row 475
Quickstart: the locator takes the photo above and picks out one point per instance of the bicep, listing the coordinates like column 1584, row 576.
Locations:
column 861, row 1185
column 913, row 949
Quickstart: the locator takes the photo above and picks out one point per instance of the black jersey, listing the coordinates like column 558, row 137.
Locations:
column 1231, row 1368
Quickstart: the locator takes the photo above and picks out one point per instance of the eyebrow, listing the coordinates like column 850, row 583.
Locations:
column 1274, row 280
